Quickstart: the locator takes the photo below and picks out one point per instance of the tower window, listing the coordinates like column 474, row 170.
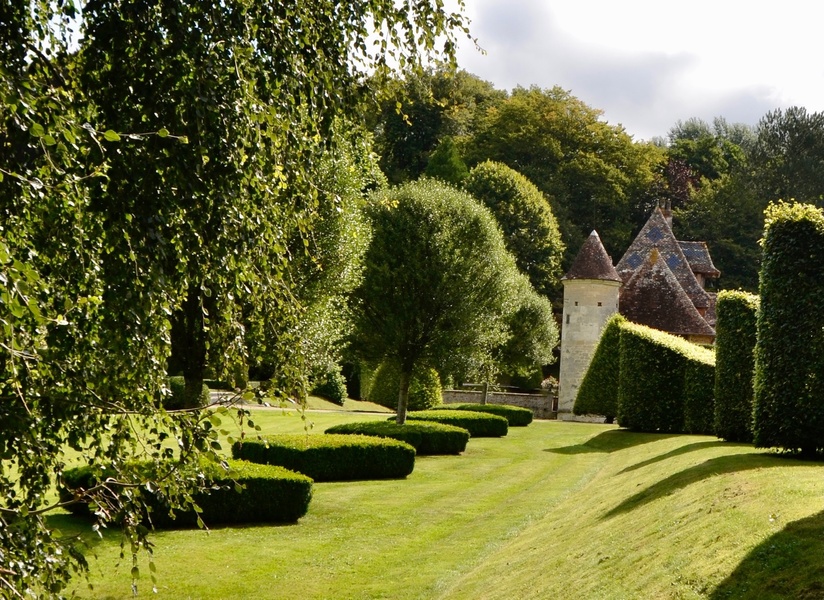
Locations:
column 567, row 321
column 576, row 303
column 599, row 304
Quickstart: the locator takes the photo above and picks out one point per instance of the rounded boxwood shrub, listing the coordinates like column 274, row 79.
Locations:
column 265, row 494
column 516, row 416
column 426, row 438
column 177, row 400
column 424, row 387
column 330, row 385
column 476, row 423
column 331, row 457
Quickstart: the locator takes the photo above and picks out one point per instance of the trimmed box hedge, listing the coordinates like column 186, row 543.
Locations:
column 427, row 438
column 652, row 393
column 268, row 494
column 516, row 416
column 598, row 394
column 331, row 457
column 699, row 396
column 788, row 406
column 735, row 332
column 476, row 423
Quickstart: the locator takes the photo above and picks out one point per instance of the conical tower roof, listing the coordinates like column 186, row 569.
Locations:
column 656, row 233
column 592, row 262
column 653, row 296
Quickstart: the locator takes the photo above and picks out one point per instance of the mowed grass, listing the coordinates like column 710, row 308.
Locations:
column 553, row 510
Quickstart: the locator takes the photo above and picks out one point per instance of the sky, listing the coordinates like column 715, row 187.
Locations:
column 649, row 63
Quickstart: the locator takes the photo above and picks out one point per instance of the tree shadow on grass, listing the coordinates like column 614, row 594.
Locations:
column 611, row 441
column 683, row 450
column 786, row 565
column 709, row 468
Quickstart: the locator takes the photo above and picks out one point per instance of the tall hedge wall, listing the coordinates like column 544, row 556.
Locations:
column 653, row 382
column 699, row 392
column 598, row 394
column 788, row 405
column 735, row 332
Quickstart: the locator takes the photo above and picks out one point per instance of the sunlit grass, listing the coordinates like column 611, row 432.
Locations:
column 553, row 510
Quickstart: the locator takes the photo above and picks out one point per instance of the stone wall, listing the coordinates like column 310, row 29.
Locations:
column 539, row 404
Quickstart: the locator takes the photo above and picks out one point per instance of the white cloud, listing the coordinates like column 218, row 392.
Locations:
column 648, row 63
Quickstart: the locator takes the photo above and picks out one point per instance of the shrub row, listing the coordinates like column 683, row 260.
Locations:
column 426, row 438
column 477, row 424
column 598, row 394
column 735, row 339
column 331, row 457
column 516, row 416
column 665, row 382
column 265, row 494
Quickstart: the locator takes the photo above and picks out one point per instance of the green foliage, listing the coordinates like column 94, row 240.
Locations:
column 523, row 213
column 516, row 416
column 246, row 493
column 699, row 394
column 427, row 438
column 421, row 109
column 652, row 390
column 331, row 457
column 330, row 384
column 424, row 387
column 446, row 163
column 788, row 406
column 735, row 364
column 438, row 284
column 593, row 173
column 177, row 398
column 598, row 394
column 478, row 424
column 156, row 168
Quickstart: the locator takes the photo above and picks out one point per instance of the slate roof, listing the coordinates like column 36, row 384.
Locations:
column 698, row 256
column 653, row 296
column 593, row 262
column 656, row 234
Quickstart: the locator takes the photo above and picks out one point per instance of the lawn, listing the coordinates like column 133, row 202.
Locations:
column 553, row 510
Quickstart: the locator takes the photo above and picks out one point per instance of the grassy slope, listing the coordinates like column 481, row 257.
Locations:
column 552, row 510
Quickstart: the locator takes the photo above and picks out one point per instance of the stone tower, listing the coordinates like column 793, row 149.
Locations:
column 591, row 289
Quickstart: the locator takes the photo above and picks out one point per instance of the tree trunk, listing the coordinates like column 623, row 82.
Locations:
column 485, row 393
column 189, row 345
column 403, row 395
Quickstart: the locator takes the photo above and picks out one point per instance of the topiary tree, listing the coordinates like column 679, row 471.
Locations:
column 735, row 336
column 788, row 405
column 424, row 387
column 438, row 282
column 598, row 393
column 530, row 229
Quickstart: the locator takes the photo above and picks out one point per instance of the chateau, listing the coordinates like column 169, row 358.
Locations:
column 659, row 282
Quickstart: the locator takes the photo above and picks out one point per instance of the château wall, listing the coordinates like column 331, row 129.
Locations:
column 541, row 405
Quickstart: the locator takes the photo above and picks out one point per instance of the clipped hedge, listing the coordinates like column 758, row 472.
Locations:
column 699, row 393
column 424, row 387
column 516, row 416
column 735, row 332
column 598, row 393
column 331, row 457
column 177, row 399
column 652, row 390
column 476, row 423
column 426, row 438
column 788, row 405
column 269, row 494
